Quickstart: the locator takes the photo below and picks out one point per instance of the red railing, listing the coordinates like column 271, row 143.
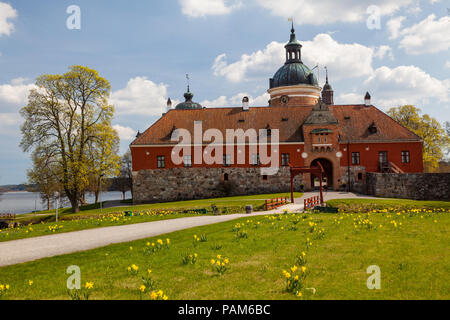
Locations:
column 311, row 203
column 276, row 203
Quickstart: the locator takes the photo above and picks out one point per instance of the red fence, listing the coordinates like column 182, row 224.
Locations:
column 311, row 203
column 275, row 203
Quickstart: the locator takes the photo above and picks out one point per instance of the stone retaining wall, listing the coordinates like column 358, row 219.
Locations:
column 200, row 183
column 417, row 186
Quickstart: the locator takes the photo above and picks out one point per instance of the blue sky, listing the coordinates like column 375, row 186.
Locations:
column 229, row 48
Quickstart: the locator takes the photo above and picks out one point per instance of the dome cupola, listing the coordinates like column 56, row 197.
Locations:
column 293, row 72
column 188, row 103
column 294, row 84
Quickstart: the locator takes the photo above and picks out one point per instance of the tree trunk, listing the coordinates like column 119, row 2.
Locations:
column 48, row 203
column 123, row 195
column 96, row 196
column 73, row 198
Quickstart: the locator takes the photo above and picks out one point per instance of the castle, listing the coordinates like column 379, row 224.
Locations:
column 348, row 140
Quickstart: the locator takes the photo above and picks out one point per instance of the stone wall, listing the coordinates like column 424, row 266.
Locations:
column 417, row 186
column 200, row 183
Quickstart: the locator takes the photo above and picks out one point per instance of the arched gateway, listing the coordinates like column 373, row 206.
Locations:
column 327, row 180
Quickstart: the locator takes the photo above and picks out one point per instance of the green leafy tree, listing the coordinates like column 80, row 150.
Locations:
column 435, row 139
column 43, row 179
column 63, row 118
column 103, row 159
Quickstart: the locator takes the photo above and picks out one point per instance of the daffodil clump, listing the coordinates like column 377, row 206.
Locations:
column 190, row 259
column 81, row 294
column 4, row 288
column 220, row 264
column 133, row 269
column 148, row 284
column 54, row 228
column 157, row 246
column 295, row 279
column 158, row 295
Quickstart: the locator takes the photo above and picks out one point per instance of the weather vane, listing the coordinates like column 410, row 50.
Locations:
column 187, row 79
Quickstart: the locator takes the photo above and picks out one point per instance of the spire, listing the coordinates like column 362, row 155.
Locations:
column 327, row 92
column 293, row 48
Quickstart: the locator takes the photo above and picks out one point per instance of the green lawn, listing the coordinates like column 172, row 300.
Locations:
column 94, row 218
column 411, row 249
column 365, row 205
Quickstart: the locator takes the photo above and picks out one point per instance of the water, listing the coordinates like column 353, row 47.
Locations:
column 25, row 202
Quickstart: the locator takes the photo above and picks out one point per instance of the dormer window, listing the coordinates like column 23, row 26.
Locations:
column 373, row 128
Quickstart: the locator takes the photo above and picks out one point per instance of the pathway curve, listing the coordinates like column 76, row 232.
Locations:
column 25, row 250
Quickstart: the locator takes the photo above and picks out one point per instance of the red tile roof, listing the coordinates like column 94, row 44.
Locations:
column 354, row 121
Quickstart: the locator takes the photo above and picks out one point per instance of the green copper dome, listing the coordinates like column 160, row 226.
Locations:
column 293, row 72
column 188, row 104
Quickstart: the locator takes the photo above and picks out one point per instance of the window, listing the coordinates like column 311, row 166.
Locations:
column 227, row 160
column 255, row 160
column 161, row 162
column 285, row 159
column 360, row 176
column 188, row 161
column 265, row 177
column 226, row 177
column 355, row 158
column 383, row 157
column 405, row 157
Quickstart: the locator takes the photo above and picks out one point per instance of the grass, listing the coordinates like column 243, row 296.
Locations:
column 410, row 247
column 390, row 204
column 94, row 218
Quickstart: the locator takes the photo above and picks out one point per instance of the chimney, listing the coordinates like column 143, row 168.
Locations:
column 245, row 102
column 367, row 99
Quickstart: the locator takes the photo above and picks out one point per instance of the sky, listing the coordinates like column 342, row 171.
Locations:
column 396, row 50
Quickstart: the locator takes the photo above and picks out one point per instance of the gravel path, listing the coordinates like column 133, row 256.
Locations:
column 24, row 250
column 20, row 251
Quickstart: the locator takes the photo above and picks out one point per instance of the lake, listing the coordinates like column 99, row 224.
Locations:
column 25, row 202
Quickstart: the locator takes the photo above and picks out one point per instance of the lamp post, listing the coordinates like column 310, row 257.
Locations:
column 57, row 204
column 100, row 193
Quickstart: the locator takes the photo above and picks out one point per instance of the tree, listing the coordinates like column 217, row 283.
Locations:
column 62, row 119
column 435, row 140
column 104, row 161
column 42, row 178
column 126, row 173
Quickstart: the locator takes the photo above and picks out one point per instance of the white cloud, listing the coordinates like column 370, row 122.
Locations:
column 383, row 51
column 350, row 98
column 15, row 93
column 140, row 97
column 125, row 133
column 405, row 85
column 394, row 25
column 236, row 101
column 6, row 12
column 201, row 8
column 343, row 60
column 330, row 11
column 258, row 62
column 10, row 124
column 427, row 36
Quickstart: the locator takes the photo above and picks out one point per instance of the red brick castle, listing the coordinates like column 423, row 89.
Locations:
column 348, row 140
